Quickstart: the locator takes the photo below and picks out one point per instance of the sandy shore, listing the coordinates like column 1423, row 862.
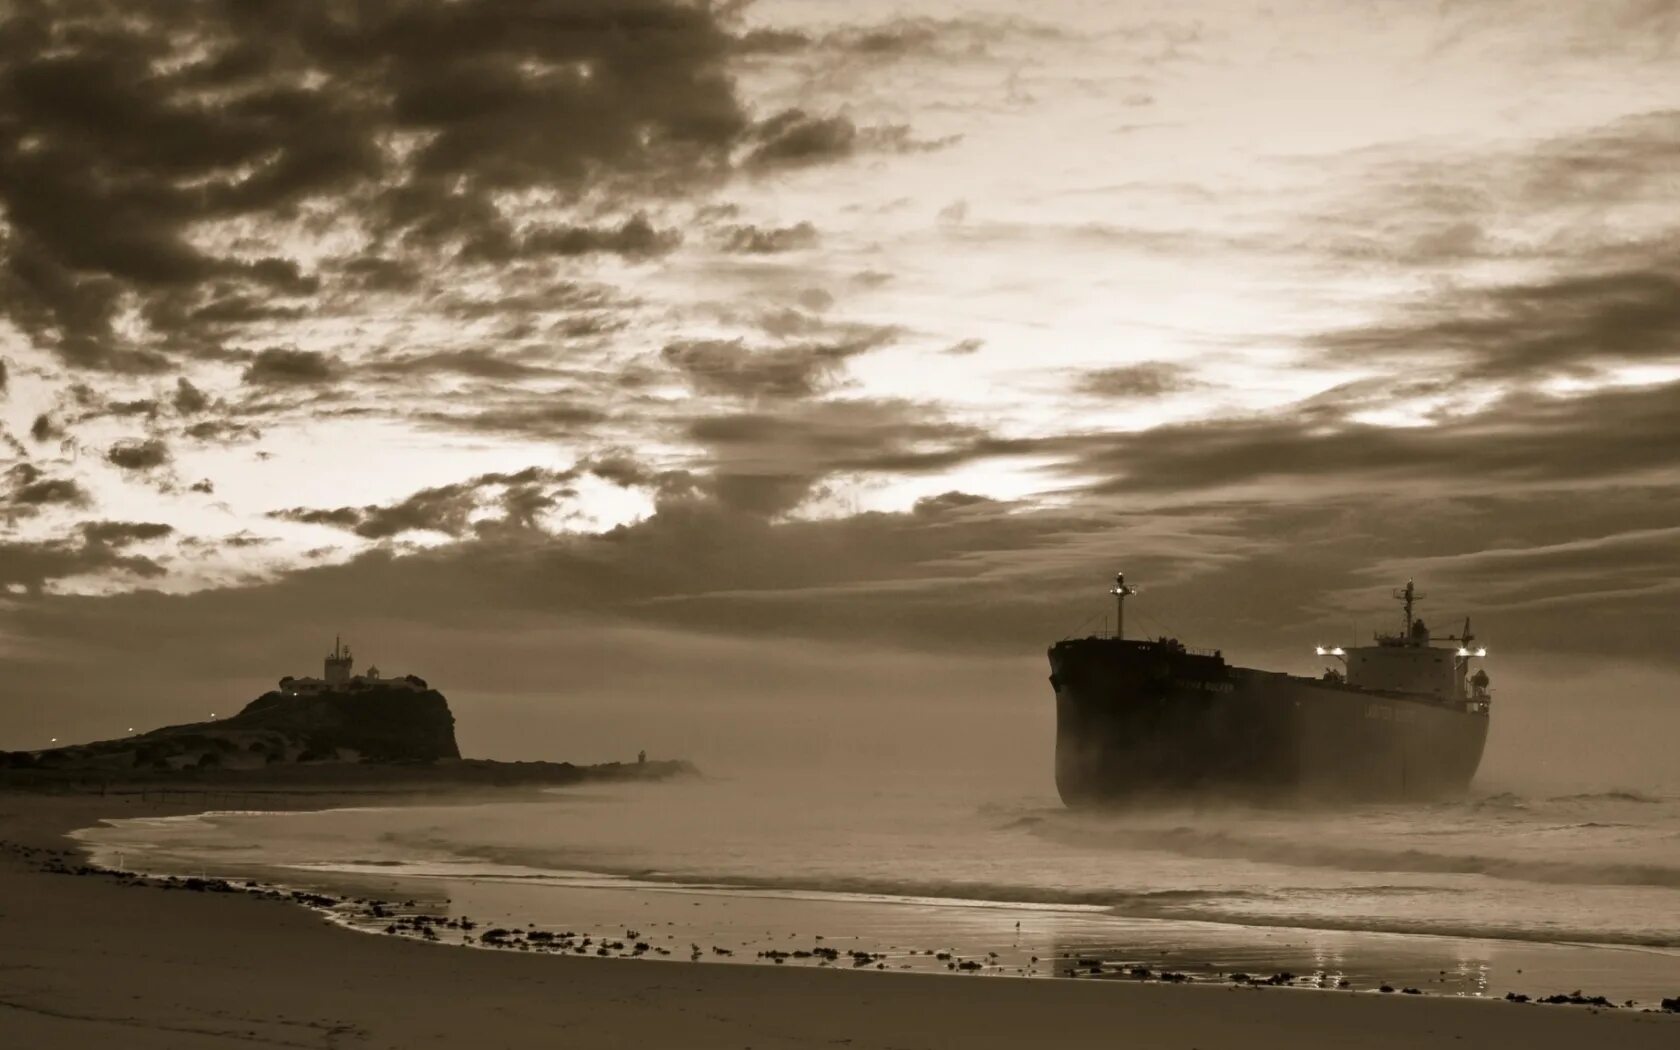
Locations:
column 85, row 961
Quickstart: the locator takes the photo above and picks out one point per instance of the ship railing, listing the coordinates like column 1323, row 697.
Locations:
column 1151, row 642
column 1174, row 645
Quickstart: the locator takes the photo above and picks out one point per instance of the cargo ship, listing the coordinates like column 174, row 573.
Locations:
column 1403, row 718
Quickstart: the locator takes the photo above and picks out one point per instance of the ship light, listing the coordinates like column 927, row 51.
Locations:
column 1320, row 650
column 1337, row 651
column 1482, row 651
column 1463, row 651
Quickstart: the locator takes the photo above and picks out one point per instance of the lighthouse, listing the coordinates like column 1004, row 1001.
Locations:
column 338, row 665
column 340, row 677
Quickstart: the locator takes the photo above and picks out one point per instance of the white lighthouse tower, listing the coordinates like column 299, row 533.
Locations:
column 338, row 665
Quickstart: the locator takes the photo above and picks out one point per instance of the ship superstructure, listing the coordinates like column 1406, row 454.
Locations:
column 1400, row 718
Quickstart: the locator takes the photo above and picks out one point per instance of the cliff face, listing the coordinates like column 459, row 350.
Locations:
column 378, row 723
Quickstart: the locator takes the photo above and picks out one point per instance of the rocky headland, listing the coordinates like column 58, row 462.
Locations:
column 354, row 736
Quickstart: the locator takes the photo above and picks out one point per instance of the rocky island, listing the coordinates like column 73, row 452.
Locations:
column 340, row 729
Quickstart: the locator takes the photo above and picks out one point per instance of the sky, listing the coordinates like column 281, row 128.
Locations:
column 783, row 377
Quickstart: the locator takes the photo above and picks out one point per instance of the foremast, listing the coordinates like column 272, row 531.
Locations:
column 1121, row 592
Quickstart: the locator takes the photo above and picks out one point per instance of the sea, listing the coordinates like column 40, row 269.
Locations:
column 1501, row 892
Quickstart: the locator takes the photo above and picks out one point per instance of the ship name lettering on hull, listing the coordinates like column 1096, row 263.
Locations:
column 1204, row 687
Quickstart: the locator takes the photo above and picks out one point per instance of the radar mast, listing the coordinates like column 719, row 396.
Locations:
column 1408, row 594
column 1121, row 592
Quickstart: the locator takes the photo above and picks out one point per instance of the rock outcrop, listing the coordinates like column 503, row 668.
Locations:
column 377, row 723
column 385, row 724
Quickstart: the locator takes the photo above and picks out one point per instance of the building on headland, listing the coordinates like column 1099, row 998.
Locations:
column 338, row 676
column 339, row 665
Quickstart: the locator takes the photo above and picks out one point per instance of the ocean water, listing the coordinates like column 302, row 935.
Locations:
column 1498, row 892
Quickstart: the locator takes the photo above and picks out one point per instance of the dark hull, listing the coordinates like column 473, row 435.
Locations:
column 1137, row 719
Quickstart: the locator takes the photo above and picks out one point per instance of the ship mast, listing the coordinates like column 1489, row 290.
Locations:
column 1409, row 595
column 1121, row 592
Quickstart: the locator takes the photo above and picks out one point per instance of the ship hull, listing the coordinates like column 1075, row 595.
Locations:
column 1140, row 719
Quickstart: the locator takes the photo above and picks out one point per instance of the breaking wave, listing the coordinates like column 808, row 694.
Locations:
column 1224, row 845
column 1221, row 906
column 1610, row 796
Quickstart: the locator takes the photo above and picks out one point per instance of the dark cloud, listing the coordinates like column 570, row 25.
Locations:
column 731, row 368
column 111, row 159
column 1522, row 438
column 379, row 274
column 45, row 428
column 950, row 502
column 794, row 138
column 1140, row 381
column 769, row 461
column 280, row 366
column 1569, row 323
column 5, row 378
column 1442, row 212
column 31, row 566
column 478, row 363
column 963, row 37
column 138, row 454
column 833, row 436
column 815, row 299
column 622, row 468
column 904, row 37
column 569, row 296
column 454, row 510
column 144, row 406
column 636, row 238
column 772, row 41
column 28, row 489
column 188, row 399
column 221, row 430
column 786, row 323
column 445, row 509
column 757, row 240
column 123, row 533
column 340, row 517
column 62, row 491
column 761, row 493
column 123, row 134
column 537, row 416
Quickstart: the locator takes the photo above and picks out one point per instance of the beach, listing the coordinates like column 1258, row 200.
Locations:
column 91, row 961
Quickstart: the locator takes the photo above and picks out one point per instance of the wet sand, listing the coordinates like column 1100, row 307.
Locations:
column 91, row 961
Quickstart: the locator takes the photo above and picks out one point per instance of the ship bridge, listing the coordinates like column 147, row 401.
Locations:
column 1408, row 662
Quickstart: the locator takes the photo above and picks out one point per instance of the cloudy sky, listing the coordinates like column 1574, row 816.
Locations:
column 632, row 367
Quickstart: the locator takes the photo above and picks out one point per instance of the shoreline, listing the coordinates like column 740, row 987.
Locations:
column 161, row 966
column 651, row 915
